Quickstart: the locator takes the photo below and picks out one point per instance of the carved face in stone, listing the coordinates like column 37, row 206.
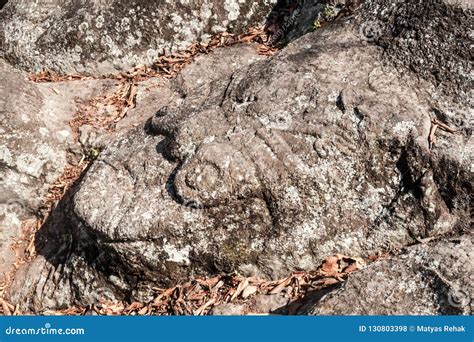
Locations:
column 273, row 145
column 244, row 149
column 311, row 157
column 270, row 169
column 318, row 150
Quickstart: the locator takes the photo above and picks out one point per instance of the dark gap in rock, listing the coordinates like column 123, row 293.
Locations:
column 340, row 102
column 407, row 181
column 3, row 3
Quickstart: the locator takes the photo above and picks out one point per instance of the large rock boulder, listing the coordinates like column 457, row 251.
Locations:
column 429, row 279
column 55, row 238
column 320, row 149
column 34, row 140
column 102, row 37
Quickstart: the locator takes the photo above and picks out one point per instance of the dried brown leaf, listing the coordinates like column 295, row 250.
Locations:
column 243, row 284
column 7, row 308
column 248, row 291
column 201, row 309
column 330, row 266
column 282, row 284
column 143, row 311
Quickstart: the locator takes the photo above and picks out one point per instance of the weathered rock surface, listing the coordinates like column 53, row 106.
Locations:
column 56, row 238
column 268, row 169
column 102, row 37
column 259, row 304
column 158, row 92
column 415, row 41
column 429, row 279
column 228, row 310
column 35, row 137
column 437, row 45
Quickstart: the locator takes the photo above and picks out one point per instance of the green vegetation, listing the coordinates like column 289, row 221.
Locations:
column 94, row 153
column 328, row 12
column 316, row 25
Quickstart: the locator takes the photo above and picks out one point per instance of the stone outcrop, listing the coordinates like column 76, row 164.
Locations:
column 34, row 140
column 269, row 166
column 430, row 279
column 55, row 238
column 436, row 45
column 101, row 37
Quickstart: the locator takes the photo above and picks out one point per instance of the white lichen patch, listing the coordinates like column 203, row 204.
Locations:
column 63, row 135
column 233, row 9
column 44, row 131
column 5, row 155
column 25, row 118
column 83, row 27
column 176, row 20
column 403, row 128
column 29, row 164
column 292, row 195
column 123, row 25
column 206, row 11
column 373, row 202
column 132, row 41
column 180, row 256
column 99, row 22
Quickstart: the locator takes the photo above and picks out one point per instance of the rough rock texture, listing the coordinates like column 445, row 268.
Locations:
column 268, row 169
column 59, row 234
column 417, row 42
column 437, row 45
column 102, row 36
column 158, row 92
column 35, row 136
column 430, row 279
column 228, row 310
column 260, row 304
